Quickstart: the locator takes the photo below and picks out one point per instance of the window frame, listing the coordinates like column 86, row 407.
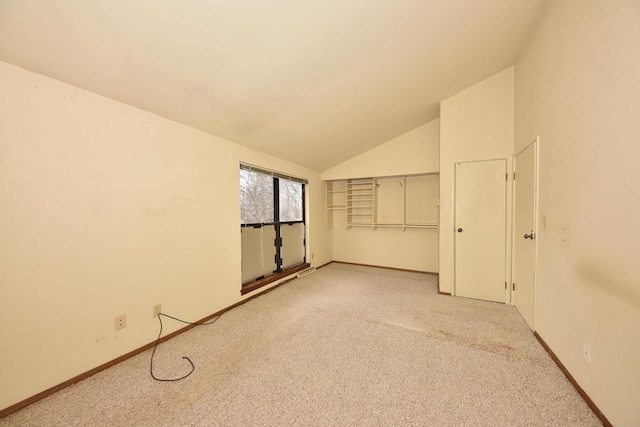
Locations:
column 279, row 273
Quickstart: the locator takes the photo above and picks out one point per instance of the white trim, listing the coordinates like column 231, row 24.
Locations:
column 536, row 188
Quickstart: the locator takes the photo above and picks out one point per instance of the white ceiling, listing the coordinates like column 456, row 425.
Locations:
column 315, row 82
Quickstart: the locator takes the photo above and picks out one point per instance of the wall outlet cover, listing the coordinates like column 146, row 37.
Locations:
column 586, row 353
column 121, row 322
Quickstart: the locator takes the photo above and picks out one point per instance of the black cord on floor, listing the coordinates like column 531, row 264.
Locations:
column 184, row 357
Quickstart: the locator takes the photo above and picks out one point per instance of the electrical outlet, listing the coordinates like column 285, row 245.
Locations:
column 157, row 309
column 121, row 322
column 586, row 353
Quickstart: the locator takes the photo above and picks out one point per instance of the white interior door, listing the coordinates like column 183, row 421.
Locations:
column 524, row 233
column 480, row 230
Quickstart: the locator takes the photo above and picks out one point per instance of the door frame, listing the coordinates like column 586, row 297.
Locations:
column 536, row 207
column 507, row 223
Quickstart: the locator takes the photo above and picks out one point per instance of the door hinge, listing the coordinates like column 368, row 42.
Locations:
column 505, row 285
column 515, row 176
column 513, row 287
column 506, row 177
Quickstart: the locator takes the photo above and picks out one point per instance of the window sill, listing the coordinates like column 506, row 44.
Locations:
column 250, row 287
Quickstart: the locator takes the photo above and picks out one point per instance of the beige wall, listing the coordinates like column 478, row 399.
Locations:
column 107, row 210
column 475, row 124
column 578, row 86
column 411, row 153
column 413, row 249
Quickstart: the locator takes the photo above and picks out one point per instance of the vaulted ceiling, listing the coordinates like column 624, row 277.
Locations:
column 315, row 82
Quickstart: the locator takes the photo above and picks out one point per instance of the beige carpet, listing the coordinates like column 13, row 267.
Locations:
column 346, row 345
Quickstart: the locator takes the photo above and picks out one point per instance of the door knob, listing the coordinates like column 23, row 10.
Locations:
column 459, row 230
column 529, row 236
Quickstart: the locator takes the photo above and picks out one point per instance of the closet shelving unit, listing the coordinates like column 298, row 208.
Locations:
column 335, row 199
column 363, row 203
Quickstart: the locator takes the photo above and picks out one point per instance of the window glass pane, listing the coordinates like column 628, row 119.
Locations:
column 258, row 252
column 292, row 249
column 256, row 197
column 290, row 200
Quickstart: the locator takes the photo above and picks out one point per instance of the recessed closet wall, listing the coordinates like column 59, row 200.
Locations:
column 382, row 205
